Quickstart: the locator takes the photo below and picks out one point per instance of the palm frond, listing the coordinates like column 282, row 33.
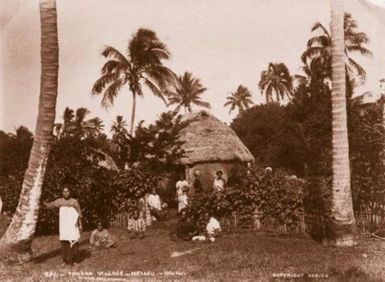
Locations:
column 202, row 104
column 318, row 25
column 358, row 69
column 111, row 92
column 154, row 89
column 103, row 82
column 111, row 52
column 362, row 50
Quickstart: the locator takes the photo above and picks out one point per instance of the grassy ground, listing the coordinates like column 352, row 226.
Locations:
column 240, row 256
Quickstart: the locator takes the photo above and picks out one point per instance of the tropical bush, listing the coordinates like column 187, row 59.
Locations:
column 102, row 193
column 277, row 196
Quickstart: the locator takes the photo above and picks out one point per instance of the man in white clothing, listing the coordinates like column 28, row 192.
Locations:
column 155, row 205
column 182, row 187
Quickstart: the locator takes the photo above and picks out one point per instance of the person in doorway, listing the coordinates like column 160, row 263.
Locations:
column 101, row 238
column 69, row 225
column 136, row 226
column 219, row 182
column 197, row 184
column 182, row 188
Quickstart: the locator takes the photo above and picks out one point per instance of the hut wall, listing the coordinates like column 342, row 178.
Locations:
column 208, row 172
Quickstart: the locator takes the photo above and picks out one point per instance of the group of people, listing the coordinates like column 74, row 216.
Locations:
column 183, row 187
column 70, row 219
column 70, row 223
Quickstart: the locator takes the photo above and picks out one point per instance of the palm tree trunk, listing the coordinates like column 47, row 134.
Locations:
column 342, row 215
column 18, row 237
column 133, row 113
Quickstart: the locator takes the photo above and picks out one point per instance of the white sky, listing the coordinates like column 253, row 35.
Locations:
column 223, row 42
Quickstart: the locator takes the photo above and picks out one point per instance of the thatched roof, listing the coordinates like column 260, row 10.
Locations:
column 207, row 139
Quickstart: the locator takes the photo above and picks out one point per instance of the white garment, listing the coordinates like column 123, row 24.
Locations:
column 212, row 226
column 199, row 238
column 68, row 229
column 182, row 202
column 1, row 205
column 219, row 184
column 154, row 201
column 179, row 187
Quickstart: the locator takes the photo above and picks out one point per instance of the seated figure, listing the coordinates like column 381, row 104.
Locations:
column 185, row 228
column 156, row 206
column 213, row 229
column 101, row 238
column 136, row 226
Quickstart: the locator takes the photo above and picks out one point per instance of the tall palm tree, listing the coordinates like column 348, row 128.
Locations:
column 343, row 221
column 319, row 48
column 141, row 65
column 276, row 79
column 18, row 235
column 187, row 92
column 240, row 99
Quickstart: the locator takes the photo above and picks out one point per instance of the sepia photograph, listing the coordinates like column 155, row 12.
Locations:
column 192, row 140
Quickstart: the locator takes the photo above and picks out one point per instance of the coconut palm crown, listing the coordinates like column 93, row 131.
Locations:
column 187, row 92
column 141, row 65
column 276, row 80
column 319, row 48
column 240, row 99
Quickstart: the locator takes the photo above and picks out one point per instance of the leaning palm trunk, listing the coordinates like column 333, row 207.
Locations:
column 343, row 221
column 133, row 113
column 18, row 236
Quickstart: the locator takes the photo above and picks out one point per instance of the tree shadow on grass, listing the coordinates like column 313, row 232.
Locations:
column 83, row 254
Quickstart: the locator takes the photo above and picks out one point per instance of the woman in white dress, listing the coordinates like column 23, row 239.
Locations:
column 69, row 225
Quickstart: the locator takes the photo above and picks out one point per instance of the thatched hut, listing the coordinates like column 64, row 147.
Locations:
column 210, row 145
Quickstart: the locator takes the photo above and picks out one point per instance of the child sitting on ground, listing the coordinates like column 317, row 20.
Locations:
column 213, row 229
column 136, row 226
column 101, row 238
column 185, row 228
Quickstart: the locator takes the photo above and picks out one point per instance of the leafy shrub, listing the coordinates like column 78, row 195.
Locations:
column 157, row 147
column 276, row 195
column 101, row 193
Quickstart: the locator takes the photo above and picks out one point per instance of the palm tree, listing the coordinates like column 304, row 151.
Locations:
column 187, row 92
column 75, row 124
column 141, row 65
column 120, row 139
column 119, row 127
column 18, row 236
column 319, row 48
column 342, row 215
column 276, row 79
column 240, row 99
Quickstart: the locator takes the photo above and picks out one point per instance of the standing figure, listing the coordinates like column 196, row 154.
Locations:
column 101, row 238
column 136, row 226
column 197, row 184
column 69, row 225
column 219, row 182
column 182, row 187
